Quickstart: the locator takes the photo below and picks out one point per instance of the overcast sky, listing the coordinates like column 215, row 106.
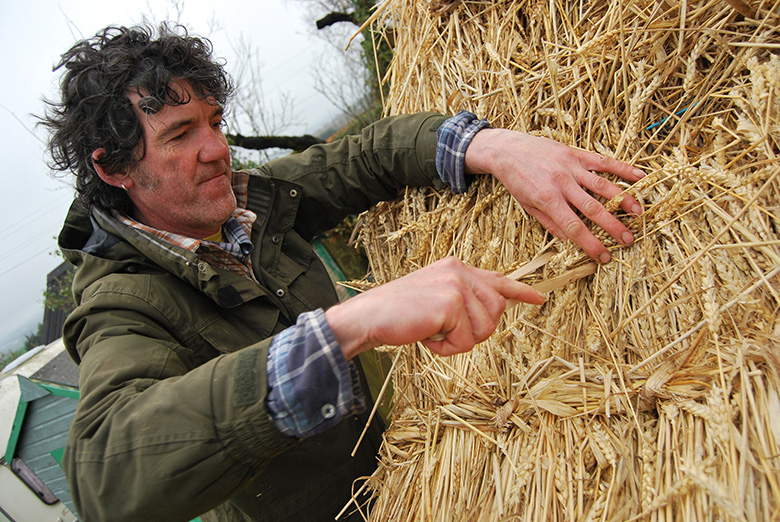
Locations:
column 33, row 34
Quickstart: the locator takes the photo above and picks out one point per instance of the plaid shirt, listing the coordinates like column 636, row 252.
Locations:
column 311, row 385
column 454, row 137
column 231, row 254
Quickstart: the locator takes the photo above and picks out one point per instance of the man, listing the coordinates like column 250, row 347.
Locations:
column 216, row 369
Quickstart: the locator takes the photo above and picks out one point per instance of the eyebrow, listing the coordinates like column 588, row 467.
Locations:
column 219, row 110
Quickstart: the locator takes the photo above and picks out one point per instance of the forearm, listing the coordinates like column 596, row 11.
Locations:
column 352, row 174
column 458, row 304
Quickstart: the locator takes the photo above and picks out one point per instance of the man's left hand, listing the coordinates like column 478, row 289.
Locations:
column 548, row 178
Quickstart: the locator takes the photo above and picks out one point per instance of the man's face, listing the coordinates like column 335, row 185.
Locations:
column 183, row 182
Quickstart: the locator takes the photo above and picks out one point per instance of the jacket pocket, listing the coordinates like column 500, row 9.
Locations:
column 295, row 258
column 242, row 330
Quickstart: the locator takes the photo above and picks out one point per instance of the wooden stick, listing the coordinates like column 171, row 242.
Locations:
column 566, row 278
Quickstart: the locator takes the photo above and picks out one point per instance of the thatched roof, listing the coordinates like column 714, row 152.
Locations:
column 650, row 390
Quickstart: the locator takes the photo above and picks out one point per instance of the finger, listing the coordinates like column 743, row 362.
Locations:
column 483, row 320
column 491, row 301
column 487, row 304
column 445, row 348
column 599, row 163
column 595, row 211
column 608, row 190
column 458, row 334
column 547, row 222
column 516, row 291
column 522, row 292
column 576, row 230
column 505, row 288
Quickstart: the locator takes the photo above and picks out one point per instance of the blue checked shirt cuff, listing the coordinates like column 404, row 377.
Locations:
column 311, row 385
column 454, row 137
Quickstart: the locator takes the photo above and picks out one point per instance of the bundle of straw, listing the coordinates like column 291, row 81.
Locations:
column 650, row 390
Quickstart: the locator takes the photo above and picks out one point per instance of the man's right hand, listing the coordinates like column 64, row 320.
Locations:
column 447, row 297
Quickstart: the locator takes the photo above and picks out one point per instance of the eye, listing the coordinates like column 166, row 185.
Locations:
column 178, row 137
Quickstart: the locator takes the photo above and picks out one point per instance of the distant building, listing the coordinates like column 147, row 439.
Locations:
column 38, row 395
column 53, row 320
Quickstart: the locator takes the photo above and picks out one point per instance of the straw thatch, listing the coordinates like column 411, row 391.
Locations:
column 650, row 390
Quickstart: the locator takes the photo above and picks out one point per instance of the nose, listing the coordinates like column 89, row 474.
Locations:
column 214, row 147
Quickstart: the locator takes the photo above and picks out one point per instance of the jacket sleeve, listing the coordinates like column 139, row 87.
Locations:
column 354, row 173
column 153, row 438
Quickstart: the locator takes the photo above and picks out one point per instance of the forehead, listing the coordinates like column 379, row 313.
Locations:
column 158, row 117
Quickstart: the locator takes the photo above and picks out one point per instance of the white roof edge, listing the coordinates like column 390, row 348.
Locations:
column 27, row 364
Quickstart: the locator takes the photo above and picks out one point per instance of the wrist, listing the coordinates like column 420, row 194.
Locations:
column 350, row 329
column 481, row 151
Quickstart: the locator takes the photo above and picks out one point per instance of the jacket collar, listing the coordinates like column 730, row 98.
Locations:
column 99, row 245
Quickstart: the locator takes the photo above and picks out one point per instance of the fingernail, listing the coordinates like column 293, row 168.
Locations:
column 541, row 295
column 627, row 238
column 638, row 173
column 605, row 258
column 636, row 209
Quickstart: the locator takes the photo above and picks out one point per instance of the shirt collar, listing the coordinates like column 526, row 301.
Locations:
column 237, row 228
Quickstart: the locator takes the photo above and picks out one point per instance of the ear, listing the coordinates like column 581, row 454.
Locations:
column 121, row 180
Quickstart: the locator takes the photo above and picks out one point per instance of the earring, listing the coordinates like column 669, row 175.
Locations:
column 123, row 187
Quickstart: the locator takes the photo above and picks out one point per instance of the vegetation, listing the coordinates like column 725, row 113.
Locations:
column 33, row 340
column 376, row 53
column 7, row 358
column 59, row 295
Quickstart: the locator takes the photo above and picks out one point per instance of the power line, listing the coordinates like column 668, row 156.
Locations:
column 23, row 262
column 20, row 246
column 32, row 217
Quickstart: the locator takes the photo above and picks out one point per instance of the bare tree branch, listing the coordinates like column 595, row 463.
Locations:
column 296, row 143
column 334, row 18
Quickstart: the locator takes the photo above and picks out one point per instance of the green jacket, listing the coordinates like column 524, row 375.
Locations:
column 172, row 420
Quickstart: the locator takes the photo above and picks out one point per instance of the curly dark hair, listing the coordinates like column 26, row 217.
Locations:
column 95, row 111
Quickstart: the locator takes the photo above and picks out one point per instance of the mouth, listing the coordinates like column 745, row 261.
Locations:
column 213, row 178
column 216, row 176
